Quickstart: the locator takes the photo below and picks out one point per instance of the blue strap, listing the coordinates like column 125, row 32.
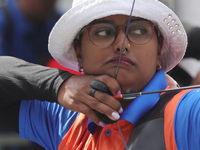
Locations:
column 142, row 104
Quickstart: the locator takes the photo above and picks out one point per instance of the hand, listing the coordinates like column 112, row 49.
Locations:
column 74, row 95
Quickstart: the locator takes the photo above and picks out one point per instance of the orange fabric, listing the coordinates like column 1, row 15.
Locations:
column 169, row 113
column 167, row 88
column 79, row 138
column 77, row 135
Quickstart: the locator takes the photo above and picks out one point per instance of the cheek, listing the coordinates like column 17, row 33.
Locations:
column 149, row 57
column 92, row 64
column 87, row 50
column 152, row 50
column 88, row 57
column 92, row 57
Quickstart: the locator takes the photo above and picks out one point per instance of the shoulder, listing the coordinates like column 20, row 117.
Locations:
column 187, row 120
column 182, row 120
column 183, row 101
column 186, row 98
column 188, row 106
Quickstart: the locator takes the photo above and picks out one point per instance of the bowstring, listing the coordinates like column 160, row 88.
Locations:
column 121, row 51
column 129, row 20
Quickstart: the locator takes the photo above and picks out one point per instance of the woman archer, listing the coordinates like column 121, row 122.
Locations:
column 90, row 36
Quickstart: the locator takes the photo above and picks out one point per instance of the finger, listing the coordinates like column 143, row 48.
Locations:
column 108, row 100
column 110, row 82
column 90, row 114
column 83, row 108
column 102, row 108
column 95, row 104
column 70, row 103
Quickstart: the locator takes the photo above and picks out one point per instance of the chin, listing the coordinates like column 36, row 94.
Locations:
column 124, row 84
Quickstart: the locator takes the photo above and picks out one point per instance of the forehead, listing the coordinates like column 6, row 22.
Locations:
column 115, row 19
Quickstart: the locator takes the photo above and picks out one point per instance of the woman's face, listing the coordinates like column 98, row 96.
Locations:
column 138, row 64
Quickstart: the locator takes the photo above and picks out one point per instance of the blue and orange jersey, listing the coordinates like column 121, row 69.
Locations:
column 55, row 127
column 79, row 138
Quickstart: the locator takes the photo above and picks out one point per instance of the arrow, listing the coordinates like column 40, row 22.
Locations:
column 131, row 96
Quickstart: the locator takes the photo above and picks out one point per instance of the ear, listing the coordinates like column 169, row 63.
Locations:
column 77, row 48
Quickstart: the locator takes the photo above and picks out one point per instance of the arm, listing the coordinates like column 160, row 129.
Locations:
column 20, row 80
column 44, row 123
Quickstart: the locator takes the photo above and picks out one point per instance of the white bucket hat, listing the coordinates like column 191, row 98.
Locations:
column 85, row 11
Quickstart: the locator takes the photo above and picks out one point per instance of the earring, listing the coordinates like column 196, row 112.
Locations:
column 159, row 67
column 79, row 68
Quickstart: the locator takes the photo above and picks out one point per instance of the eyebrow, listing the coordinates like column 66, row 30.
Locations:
column 101, row 21
column 112, row 21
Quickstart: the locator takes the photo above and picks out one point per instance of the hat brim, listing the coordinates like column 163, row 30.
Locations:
column 64, row 32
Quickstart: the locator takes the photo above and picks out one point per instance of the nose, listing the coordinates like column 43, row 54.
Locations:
column 119, row 42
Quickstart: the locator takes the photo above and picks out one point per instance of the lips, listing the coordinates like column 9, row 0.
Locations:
column 124, row 61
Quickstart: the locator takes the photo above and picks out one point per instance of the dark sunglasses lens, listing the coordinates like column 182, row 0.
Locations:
column 102, row 34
